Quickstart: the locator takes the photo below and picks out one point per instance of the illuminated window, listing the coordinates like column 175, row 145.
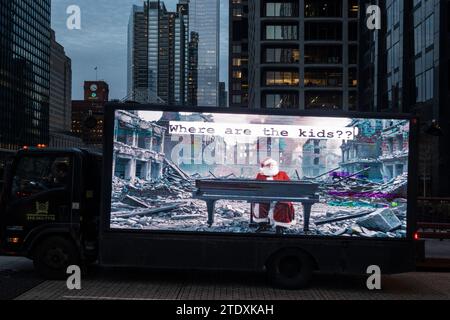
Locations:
column 237, row 74
column 281, row 78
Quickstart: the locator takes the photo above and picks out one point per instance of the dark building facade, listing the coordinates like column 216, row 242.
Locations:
column 24, row 73
column 238, row 54
column 296, row 54
column 88, row 114
column 60, row 88
column 405, row 68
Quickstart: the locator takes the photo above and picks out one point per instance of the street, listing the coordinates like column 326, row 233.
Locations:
column 18, row 281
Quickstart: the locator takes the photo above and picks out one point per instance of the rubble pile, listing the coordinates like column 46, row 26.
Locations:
column 359, row 207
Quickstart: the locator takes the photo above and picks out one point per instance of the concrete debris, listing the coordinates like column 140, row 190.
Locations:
column 133, row 201
column 187, row 216
column 343, row 217
column 381, row 220
column 145, row 211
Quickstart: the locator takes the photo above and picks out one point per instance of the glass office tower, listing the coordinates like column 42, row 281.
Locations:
column 204, row 19
column 24, row 72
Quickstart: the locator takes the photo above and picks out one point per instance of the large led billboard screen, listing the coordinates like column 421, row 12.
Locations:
column 259, row 174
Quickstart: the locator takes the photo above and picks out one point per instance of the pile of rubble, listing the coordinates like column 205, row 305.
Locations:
column 359, row 207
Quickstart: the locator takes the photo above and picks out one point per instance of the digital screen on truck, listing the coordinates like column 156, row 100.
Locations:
column 259, row 174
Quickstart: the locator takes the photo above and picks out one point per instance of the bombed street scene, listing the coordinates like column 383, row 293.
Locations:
column 190, row 172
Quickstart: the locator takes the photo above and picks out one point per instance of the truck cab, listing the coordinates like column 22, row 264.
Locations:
column 49, row 208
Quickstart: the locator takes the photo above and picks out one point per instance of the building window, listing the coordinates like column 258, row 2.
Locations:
column 281, row 78
column 237, row 48
column 323, row 31
column 281, row 32
column 323, row 78
column 236, row 86
column 353, row 31
column 323, row 100
column 353, row 8
column 352, row 101
column 236, row 99
column 237, row 62
column 352, row 54
column 352, row 77
column 237, row 74
column 237, row 12
column 280, row 9
column 280, row 100
column 323, row 8
column 281, row 55
column 328, row 54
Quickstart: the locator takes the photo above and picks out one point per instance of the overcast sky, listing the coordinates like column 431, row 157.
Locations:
column 102, row 41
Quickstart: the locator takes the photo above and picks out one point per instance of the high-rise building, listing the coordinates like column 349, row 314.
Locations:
column 138, row 73
column 238, row 54
column 158, row 48
column 204, row 19
column 193, row 70
column 60, row 88
column 405, row 68
column 301, row 54
column 24, row 73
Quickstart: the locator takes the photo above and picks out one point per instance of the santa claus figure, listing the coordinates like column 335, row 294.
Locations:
column 280, row 214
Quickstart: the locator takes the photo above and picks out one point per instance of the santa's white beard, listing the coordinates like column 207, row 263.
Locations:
column 270, row 172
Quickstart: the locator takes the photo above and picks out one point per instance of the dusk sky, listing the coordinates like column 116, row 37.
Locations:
column 102, row 41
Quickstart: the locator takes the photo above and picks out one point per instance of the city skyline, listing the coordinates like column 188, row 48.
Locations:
column 92, row 47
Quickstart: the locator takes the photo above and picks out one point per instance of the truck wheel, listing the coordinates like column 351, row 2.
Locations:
column 53, row 256
column 290, row 269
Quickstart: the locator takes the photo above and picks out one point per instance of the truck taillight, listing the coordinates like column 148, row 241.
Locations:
column 416, row 236
column 14, row 240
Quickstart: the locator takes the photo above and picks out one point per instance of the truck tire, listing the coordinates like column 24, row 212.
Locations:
column 52, row 257
column 290, row 269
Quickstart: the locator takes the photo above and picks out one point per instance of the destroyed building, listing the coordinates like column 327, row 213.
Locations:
column 314, row 159
column 138, row 148
column 362, row 153
column 394, row 148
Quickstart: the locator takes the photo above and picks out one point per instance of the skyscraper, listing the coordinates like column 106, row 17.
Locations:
column 204, row 19
column 158, row 48
column 296, row 54
column 24, row 73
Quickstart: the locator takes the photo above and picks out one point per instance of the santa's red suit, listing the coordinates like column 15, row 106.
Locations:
column 282, row 214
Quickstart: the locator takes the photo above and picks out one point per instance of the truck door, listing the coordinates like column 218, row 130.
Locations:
column 39, row 196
